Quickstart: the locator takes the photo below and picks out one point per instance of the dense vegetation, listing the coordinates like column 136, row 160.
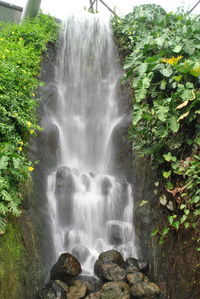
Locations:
column 21, row 49
column 162, row 65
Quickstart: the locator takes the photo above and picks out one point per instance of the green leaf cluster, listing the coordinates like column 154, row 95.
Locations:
column 162, row 63
column 21, row 51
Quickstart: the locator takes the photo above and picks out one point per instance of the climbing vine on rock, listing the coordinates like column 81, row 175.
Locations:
column 162, row 64
column 21, row 50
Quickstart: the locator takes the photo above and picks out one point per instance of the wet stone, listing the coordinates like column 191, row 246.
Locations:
column 136, row 277
column 130, row 266
column 144, row 289
column 108, row 257
column 115, row 290
column 105, row 186
column 66, row 267
column 116, row 234
column 64, row 192
column 52, row 291
column 77, row 290
column 92, row 284
column 112, row 272
column 96, row 295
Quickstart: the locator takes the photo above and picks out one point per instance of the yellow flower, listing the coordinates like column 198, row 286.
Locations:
column 33, row 94
column 20, row 38
column 172, row 60
column 31, row 131
column 30, row 168
column 21, row 142
column 20, row 148
column 3, row 56
column 13, row 32
column 1, row 38
column 28, row 124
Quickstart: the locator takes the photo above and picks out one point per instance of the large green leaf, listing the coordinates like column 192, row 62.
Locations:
column 161, row 111
column 4, row 162
column 166, row 72
column 142, row 88
column 173, row 124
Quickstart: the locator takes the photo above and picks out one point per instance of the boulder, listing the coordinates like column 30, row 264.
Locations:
column 131, row 265
column 62, row 285
column 112, row 272
column 96, row 295
column 77, row 290
column 115, row 290
column 67, row 266
column 136, row 277
column 92, row 284
column 139, row 264
column 108, row 257
column 143, row 265
column 144, row 289
column 52, row 291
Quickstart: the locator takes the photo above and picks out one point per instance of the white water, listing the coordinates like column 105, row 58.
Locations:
column 90, row 209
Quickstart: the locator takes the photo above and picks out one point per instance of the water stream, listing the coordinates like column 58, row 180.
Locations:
column 90, row 209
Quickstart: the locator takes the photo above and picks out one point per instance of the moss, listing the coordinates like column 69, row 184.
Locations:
column 19, row 264
column 11, row 260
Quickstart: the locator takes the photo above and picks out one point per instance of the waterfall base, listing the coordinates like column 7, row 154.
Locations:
column 115, row 278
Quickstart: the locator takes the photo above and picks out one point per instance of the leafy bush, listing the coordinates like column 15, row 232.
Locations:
column 162, row 64
column 21, row 49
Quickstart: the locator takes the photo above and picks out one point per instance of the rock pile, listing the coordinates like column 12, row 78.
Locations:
column 117, row 279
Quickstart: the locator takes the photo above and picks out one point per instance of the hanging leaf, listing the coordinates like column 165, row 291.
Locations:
column 182, row 105
column 184, row 115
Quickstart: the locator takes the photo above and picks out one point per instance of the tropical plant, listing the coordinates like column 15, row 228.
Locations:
column 21, row 50
column 162, row 64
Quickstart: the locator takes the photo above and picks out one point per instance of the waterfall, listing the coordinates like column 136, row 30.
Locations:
column 90, row 209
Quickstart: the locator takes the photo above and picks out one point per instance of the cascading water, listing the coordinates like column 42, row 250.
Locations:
column 90, row 209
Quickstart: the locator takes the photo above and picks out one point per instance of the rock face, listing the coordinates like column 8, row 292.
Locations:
column 66, row 267
column 119, row 279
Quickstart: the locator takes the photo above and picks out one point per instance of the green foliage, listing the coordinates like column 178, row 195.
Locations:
column 162, row 64
column 21, row 50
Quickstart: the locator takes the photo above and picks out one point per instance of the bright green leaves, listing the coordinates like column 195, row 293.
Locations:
column 21, row 50
column 4, row 162
column 142, row 88
column 168, row 157
column 162, row 66
column 166, row 72
column 161, row 110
